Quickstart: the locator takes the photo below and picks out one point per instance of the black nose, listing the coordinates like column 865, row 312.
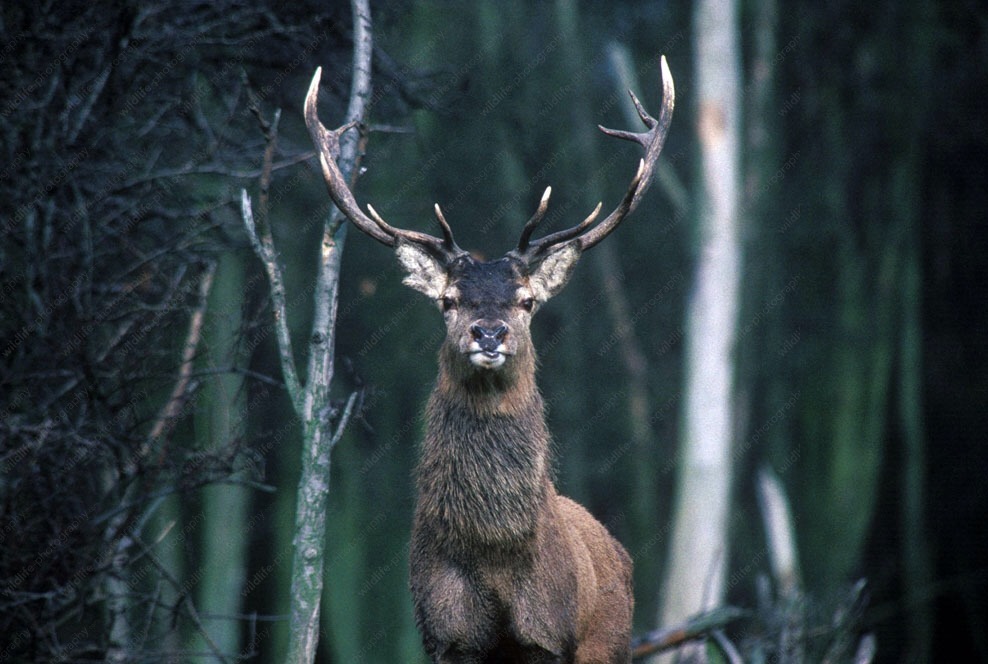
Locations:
column 489, row 337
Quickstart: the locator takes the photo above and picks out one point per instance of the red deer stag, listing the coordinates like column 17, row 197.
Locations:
column 503, row 568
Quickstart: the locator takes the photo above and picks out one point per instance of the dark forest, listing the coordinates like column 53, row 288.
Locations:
column 766, row 383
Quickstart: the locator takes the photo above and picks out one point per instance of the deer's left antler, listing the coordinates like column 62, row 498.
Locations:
column 652, row 140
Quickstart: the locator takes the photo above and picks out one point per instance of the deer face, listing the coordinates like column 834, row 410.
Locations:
column 487, row 306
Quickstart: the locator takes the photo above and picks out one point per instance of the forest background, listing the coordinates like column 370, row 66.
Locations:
column 149, row 454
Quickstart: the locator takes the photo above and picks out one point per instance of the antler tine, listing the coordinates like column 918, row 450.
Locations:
column 565, row 235
column 526, row 232
column 652, row 140
column 328, row 147
column 445, row 248
column 642, row 138
column 448, row 241
column 528, row 249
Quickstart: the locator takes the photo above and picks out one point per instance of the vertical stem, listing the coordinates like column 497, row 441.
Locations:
column 310, row 516
column 577, row 459
column 917, row 563
column 916, row 559
column 313, row 491
column 219, row 422
column 698, row 558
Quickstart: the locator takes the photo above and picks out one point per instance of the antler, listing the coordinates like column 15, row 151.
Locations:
column 652, row 140
column 328, row 146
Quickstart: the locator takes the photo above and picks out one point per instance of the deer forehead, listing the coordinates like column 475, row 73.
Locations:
column 487, row 283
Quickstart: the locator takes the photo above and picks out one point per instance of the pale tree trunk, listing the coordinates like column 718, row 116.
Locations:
column 698, row 556
column 311, row 400
column 314, row 409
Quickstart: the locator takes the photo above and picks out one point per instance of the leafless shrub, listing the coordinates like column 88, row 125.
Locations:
column 123, row 136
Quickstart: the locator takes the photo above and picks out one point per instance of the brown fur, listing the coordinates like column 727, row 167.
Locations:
column 503, row 568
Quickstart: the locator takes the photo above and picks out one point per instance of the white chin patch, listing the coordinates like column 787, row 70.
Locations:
column 487, row 360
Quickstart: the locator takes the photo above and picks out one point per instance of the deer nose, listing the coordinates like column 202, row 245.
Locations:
column 488, row 336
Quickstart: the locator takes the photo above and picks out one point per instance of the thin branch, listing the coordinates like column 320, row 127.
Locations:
column 210, row 169
column 263, row 242
column 166, row 417
column 264, row 248
column 726, row 647
column 344, row 420
column 270, row 130
column 87, row 106
column 152, row 607
column 389, row 129
column 184, row 596
column 256, row 375
column 174, row 490
column 693, row 629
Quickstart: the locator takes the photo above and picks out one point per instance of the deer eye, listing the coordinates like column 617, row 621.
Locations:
column 448, row 303
column 527, row 304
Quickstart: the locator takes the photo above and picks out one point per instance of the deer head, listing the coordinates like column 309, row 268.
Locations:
column 488, row 305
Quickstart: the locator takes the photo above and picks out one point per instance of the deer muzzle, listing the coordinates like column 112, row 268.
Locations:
column 487, row 347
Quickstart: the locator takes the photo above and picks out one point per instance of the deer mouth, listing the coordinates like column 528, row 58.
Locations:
column 488, row 359
column 488, row 345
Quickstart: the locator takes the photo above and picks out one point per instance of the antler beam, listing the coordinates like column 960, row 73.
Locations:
column 328, row 146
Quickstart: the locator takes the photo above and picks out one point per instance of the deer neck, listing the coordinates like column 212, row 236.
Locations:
column 483, row 477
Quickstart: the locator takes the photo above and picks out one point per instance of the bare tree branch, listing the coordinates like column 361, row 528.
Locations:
column 185, row 598
column 344, row 419
column 264, row 248
column 690, row 630
column 169, row 412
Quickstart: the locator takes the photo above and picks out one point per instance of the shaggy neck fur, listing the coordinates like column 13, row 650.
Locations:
column 483, row 477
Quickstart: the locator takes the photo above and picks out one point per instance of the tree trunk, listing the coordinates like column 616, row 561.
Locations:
column 219, row 424
column 915, row 535
column 317, row 437
column 312, row 401
column 698, row 557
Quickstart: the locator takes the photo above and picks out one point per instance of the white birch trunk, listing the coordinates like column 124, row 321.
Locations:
column 698, row 553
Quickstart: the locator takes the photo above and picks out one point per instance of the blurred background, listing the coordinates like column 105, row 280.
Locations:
column 149, row 452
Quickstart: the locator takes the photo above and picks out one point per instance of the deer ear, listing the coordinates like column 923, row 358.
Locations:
column 551, row 273
column 426, row 274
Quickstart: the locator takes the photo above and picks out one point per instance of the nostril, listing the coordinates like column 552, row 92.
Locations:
column 495, row 332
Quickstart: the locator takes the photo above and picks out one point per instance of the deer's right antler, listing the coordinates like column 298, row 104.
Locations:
column 328, row 146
